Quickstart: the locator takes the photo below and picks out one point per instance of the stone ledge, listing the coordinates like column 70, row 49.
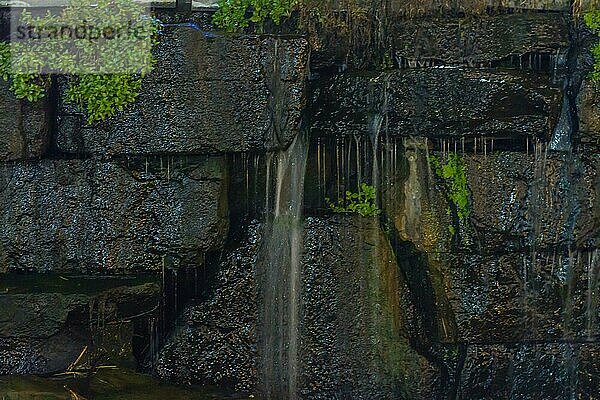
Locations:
column 479, row 39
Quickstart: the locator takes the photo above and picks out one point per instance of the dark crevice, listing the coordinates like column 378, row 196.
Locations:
column 53, row 115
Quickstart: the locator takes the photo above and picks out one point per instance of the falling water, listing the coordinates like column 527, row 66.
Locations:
column 561, row 137
column 592, row 287
column 280, row 276
column 378, row 121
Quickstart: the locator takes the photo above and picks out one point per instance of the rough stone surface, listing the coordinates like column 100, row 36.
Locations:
column 512, row 297
column 353, row 335
column 215, row 340
column 24, row 127
column 552, row 371
column 353, row 328
column 224, row 94
column 46, row 332
column 542, row 200
column 430, row 32
column 553, row 5
column 589, row 114
column 93, row 216
column 474, row 41
column 517, row 293
column 437, row 102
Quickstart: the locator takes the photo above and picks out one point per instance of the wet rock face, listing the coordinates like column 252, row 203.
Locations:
column 225, row 94
column 552, row 371
column 508, row 304
column 100, row 217
column 394, row 34
column 215, row 342
column 437, row 103
column 521, row 282
column 46, row 332
column 352, row 343
column 512, row 297
column 24, row 127
column 544, row 200
column 524, row 271
column 481, row 40
column 589, row 114
column 352, row 326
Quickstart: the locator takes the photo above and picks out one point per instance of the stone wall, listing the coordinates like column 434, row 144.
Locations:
column 500, row 305
column 150, row 183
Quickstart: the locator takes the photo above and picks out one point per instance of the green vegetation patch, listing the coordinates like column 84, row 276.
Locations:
column 361, row 202
column 234, row 15
column 454, row 175
column 105, row 65
column 592, row 20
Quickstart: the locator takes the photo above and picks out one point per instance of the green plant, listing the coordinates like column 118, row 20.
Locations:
column 105, row 66
column 234, row 15
column 103, row 95
column 361, row 203
column 454, row 176
column 25, row 86
column 592, row 20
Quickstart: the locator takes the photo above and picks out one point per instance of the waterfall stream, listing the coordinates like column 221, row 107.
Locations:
column 279, row 279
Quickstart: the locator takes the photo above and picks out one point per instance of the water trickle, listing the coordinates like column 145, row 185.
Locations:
column 169, row 169
column 268, row 182
column 592, row 288
column 561, row 137
column 376, row 124
column 337, row 163
column 358, row 161
column 279, row 276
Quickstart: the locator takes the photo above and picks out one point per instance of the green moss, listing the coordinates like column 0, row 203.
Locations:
column 361, row 203
column 592, row 20
column 454, row 176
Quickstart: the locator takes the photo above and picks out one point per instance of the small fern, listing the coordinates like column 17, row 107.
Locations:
column 361, row 202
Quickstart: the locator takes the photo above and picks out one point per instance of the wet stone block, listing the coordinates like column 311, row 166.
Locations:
column 215, row 342
column 433, row 103
column 589, row 114
column 111, row 217
column 354, row 307
column 24, row 126
column 226, row 94
column 481, row 40
column 499, row 298
column 521, row 200
column 553, row 371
